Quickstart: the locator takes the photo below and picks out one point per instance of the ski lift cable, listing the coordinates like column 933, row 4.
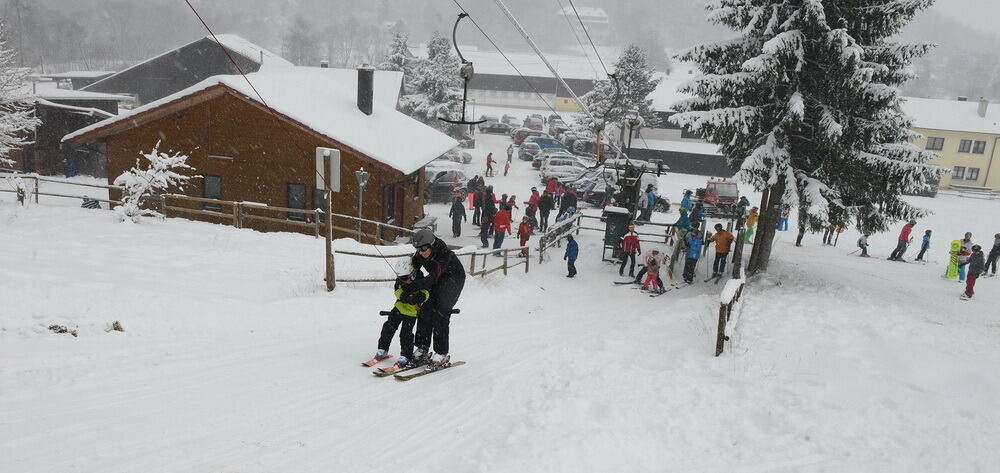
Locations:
column 488, row 38
column 588, row 36
column 520, row 29
column 577, row 38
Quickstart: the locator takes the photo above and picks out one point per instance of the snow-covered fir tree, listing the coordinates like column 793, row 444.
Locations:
column 398, row 55
column 159, row 175
column 435, row 88
column 636, row 79
column 805, row 105
column 17, row 116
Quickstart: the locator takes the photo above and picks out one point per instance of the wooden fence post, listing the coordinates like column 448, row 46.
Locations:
column 472, row 267
column 163, row 206
column 505, row 253
column 720, row 338
column 527, row 258
column 36, row 189
column 541, row 248
column 236, row 215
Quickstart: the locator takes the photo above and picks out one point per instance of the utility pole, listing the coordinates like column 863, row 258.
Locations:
column 328, row 178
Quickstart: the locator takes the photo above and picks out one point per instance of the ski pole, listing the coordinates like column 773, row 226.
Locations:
column 855, row 251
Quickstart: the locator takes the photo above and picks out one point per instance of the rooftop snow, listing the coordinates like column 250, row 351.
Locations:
column 952, row 115
column 250, row 50
column 325, row 100
column 678, row 146
column 79, row 74
column 49, row 91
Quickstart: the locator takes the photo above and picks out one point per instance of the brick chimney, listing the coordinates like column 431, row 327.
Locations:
column 324, row 64
column 983, row 106
column 366, row 86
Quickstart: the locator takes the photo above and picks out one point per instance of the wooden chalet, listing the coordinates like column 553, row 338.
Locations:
column 185, row 66
column 261, row 148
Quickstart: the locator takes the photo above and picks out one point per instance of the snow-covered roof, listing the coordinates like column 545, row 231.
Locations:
column 82, row 110
column 690, row 147
column 325, row 100
column 49, row 91
column 251, row 51
column 79, row 75
column 952, row 115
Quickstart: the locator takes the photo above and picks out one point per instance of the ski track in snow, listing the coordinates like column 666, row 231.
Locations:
column 235, row 359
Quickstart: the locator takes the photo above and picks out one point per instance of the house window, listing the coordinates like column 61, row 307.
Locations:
column 979, row 147
column 687, row 133
column 965, row 146
column 297, row 200
column 935, row 143
column 958, row 173
column 212, row 190
column 319, row 202
column 972, row 174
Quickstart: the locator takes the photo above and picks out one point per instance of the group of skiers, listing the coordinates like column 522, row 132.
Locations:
column 427, row 288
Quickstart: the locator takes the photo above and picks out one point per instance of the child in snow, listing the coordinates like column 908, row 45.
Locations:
column 863, row 244
column 652, row 273
column 506, row 168
column 783, row 219
column 694, row 244
column 457, row 214
column 977, row 266
column 924, row 246
column 963, row 255
column 751, row 224
column 572, row 251
column 523, row 233
column 405, row 312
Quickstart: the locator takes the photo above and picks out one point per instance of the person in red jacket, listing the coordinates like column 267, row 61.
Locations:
column 489, row 164
column 531, row 205
column 523, row 233
column 904, row 241
column 552, row 185
column 501, row 225
column 630, row 247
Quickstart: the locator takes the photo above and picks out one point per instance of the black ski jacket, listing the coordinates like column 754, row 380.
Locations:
column 445, row 275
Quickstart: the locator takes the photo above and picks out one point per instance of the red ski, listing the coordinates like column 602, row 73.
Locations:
column 376, row 360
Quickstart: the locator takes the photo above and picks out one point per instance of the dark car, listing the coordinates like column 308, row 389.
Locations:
column 523, row 133
column 528, row 151
column 442, row 185
column 544, row 142
column 495, row 128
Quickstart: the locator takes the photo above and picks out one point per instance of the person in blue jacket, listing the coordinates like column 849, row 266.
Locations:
column 686, row 201
column 572, row 250
column 694, row 244
column 924, row 245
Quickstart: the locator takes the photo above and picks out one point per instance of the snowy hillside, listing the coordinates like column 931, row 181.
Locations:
column 235, row 358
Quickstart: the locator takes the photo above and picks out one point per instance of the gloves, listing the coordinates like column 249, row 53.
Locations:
column 413, row 298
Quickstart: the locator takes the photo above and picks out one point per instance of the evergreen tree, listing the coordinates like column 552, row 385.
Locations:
column 805, row 104
column 435, row 88
column 398, row 55
column 17, row 114
column 636, row 81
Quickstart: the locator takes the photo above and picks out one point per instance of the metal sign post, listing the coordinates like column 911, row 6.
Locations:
column 328, row 178
column 362, row 177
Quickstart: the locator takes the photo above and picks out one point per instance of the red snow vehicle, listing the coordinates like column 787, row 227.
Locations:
column 718, row 198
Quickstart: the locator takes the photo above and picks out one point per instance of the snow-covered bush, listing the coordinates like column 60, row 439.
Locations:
column 17, row 117
column 434, row 88
column 141, row 183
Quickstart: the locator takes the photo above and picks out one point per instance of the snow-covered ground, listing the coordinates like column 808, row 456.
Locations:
column 235, row 358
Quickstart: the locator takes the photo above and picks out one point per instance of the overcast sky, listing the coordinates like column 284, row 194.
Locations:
column 980, row 14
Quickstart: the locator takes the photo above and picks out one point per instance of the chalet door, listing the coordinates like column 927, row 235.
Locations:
column 399, row 206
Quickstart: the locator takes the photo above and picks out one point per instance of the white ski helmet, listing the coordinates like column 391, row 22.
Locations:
column 402, row 268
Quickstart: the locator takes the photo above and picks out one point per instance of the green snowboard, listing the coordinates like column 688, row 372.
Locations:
column 956, row 248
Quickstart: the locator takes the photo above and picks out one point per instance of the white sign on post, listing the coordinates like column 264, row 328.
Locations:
column 334, row 155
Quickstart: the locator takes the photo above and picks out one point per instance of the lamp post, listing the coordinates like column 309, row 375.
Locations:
column 362, row 177
column 634, row 120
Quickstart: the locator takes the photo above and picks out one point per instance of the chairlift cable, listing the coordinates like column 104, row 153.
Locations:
column 588, row 36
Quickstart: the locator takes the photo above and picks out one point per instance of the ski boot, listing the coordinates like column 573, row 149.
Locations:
column 439, row 361
column 421, row 356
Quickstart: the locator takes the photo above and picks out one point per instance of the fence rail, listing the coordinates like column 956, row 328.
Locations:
column 503, row 253
column 666, row 237
column 36, row 192
column 555, row 234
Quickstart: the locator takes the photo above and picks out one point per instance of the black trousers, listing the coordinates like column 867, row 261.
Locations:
column 900, row 249
column 626, row 257
column 484, row 233
column 923, row 250
column 405, row 335
column 475, row 215
column 456, row 226
column 798, row 239
column 544, row 221
column 719, row 265
column 571, row 266
column 689, row 266
column 991, row 261
column 434, row 321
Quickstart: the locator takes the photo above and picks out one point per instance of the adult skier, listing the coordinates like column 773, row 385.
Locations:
column 404, row 312
column 489, row 164
column 722, row 240
column 501, row 225
column 531, row 205
column 903, row 241
column 630, row 247
column 444, row 280
column 991, row 260
column 686, row 201
column 568, row 202
column 457, row 214
column 510, row 152
column 545, row 205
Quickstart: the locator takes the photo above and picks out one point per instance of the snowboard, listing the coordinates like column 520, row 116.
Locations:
column 956, row 248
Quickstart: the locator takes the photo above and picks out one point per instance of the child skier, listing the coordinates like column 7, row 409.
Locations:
column 863, row 244
column 924, row 246
column 963, row 256
column 694, row 244
column 751, row 224
column 523, row 233
column 652, row 273
column 506, row 168
column 572, row 251
column 404, row 312
column 977, row 266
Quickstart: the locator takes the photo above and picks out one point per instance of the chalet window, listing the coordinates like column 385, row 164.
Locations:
column 389, row 204
column 958, row 173
column 319, row 202
column 965, row 146
column 972, row 174
column 935, row 143
column 979, row 147
column 212, row 190
column 687, row 133
column 297, row 200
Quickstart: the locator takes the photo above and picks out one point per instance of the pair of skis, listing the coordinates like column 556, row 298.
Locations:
column 406, row 373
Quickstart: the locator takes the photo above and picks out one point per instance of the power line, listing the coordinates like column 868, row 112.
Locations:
column 583, row 48
column 224, row 50
column 525, row 79
column 588, row 37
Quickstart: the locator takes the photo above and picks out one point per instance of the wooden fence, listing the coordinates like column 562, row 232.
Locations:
column 668, row 235
column 556, row 233
column 35, row 191
column 731, row 295
column 502, row 253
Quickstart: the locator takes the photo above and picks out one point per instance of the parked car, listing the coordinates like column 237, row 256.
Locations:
column 587, row 147
column 562, row 170
column 458, row 156
column 495, row 128
column 528, row 151
column 568, row 138
column 536, row 162
column 442, row 185
column 489, row 118
column 545, row 142
column 523, row 133
column 535, row 123
column 510, row 120
column 555, row 117
column 557, row 128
